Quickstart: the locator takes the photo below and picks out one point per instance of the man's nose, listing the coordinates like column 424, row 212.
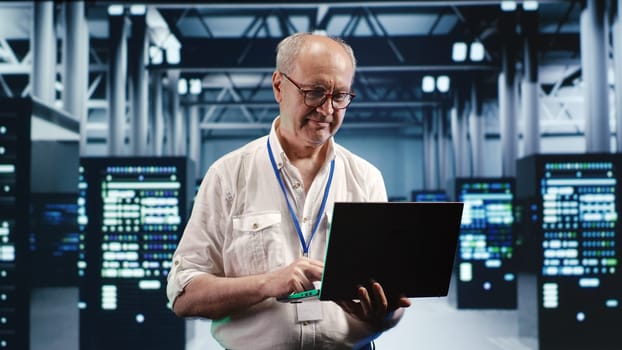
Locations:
column 326, row 108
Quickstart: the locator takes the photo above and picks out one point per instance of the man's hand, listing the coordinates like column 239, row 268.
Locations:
column 375, row 309
column 296, row 277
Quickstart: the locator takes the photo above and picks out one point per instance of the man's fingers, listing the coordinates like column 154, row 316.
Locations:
column 365, row 301
column 380, row 299
column 404, row 302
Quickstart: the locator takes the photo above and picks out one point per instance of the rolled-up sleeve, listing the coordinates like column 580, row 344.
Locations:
column 199, row 250
column 179, row 276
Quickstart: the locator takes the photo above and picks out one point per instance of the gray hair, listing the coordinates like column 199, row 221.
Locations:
column 288, row 49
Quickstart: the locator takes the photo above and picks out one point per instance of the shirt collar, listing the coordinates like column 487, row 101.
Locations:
column 278, row 149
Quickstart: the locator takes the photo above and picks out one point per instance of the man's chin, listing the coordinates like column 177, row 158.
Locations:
column 318, row 140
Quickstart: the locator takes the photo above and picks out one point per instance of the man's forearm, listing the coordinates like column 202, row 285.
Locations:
column 217, row 297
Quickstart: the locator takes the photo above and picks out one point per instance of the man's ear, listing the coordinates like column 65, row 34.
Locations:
column 277, row 79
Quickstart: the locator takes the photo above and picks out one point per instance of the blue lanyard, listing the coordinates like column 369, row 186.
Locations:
column 305, row 245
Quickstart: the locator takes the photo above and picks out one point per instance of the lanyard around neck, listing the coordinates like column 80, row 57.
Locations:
column 305, row 245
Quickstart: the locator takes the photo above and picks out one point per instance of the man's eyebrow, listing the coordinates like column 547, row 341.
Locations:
column 337, row 88
column 316, row 84
column 321, row 85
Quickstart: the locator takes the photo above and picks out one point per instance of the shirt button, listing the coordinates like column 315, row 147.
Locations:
column 305, row 323
column 305, row 220
column 296, row 185
column 255, row 226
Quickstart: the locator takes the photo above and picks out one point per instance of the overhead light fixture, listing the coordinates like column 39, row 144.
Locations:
column 530, row 5
column 459, row 52
column 195, row 86
column 508, row 6
column 427, row 83
column 182, row 86
column 173, row 48
column 476, row 51
column 138, row 10
column 155, row 55
column 442, row 83
column 161, row 36
column 173, row 56
column 115, row 10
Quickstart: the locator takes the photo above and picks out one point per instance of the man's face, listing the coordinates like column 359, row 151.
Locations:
column 322, row 65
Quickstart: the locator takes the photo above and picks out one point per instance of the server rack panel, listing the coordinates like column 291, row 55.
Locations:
column 15, row 153
column 485, row 264
column 429, row 196
column 579, row 285
column 134, row 211
column 54, row 239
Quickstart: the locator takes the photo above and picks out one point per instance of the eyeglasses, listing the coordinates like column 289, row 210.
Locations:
column 316, row 98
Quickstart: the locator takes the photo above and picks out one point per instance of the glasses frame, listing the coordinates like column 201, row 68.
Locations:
column 304, row 93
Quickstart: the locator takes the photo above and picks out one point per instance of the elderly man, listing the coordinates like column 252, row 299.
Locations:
column 258, row 229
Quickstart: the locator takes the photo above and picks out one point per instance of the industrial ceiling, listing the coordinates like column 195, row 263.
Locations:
column 229, row 47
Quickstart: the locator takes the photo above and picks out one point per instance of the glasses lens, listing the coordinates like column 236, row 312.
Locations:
column 341, row 100
column 316, row 98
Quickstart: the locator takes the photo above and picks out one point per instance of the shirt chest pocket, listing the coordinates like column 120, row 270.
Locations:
column 257, row 244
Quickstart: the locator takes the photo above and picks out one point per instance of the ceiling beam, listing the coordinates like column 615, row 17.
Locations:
column 354, row 105
column 268, row 125
column 252, row 4
column 420, row 52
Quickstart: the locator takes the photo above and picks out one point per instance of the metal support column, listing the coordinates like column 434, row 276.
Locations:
column 139, row 85
column 459, row 129
column 157, row 117
column 476, row 132
column 116, row 88
column 182, row 133
column 529, row 88
column 75, row 71
column 617, row 57
column 440, row 120
column 171, row 99
column 175, row 125
column 429, row 151
column 43, row 43
column 507, row 96
column 194, row 136
column 84, row 67
column 594, row 62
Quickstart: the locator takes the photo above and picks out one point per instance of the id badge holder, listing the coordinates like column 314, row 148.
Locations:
column 309, row 310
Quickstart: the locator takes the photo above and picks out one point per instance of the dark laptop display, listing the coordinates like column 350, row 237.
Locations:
column 407, row 247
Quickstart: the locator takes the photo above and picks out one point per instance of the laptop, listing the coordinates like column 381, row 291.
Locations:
column 408, row 247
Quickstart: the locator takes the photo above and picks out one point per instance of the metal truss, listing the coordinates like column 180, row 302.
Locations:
column 15, row 68
column 235, row 71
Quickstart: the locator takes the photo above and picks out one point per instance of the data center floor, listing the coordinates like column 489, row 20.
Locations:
column 433, row 324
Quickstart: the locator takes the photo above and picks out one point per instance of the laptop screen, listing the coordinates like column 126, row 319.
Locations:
column 408, row 247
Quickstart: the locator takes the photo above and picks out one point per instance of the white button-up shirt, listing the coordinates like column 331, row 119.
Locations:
column 241, row 225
